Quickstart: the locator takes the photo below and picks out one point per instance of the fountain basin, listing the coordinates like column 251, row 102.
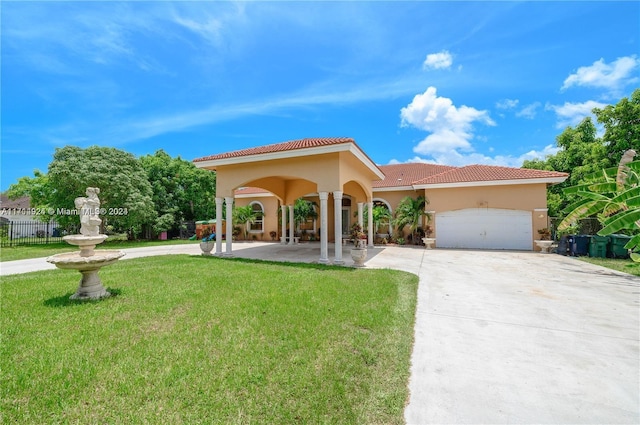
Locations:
column 73, row 260
column 90, row 287
column 86, row 243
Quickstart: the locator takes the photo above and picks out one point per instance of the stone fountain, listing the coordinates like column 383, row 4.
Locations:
column 87, row 261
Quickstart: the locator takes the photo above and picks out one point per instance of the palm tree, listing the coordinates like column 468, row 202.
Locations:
column 303, row 210
column 614, row 197
column 380, row 214
column 410, row 212
column 244, row 216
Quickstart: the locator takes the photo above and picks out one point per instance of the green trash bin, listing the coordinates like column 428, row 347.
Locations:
column 616, row 247
column 598, row 246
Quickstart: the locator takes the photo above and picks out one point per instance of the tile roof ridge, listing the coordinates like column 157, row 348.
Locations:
column 295, row 144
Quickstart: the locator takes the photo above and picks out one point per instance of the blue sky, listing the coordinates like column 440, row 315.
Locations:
column 446, row 82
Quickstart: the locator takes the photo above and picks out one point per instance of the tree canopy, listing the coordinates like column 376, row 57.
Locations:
column 582, row 153
column 122, row 181
column 153, row 190
column 181, row 191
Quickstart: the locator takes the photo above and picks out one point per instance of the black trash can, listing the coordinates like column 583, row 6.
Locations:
column 563, row 245
column 580, row 245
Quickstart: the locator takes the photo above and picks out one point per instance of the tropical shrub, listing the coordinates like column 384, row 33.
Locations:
column 613, row 197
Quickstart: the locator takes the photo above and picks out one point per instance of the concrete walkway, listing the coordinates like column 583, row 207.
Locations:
column 500, row 337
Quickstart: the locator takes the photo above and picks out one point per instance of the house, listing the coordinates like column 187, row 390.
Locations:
column 19, row 220
column 476, row 206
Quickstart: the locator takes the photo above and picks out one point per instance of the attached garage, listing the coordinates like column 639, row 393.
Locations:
column 484, row 228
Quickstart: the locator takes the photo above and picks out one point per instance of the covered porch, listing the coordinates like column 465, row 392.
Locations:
column 328, row 169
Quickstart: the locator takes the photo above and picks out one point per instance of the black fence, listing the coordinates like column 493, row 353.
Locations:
column 14, row 233
column 585, row 226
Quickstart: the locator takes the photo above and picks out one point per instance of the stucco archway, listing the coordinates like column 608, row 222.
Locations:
column 327, row 166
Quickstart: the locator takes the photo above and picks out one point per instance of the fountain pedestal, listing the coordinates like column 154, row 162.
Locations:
column 87, row 261
column 90, row 287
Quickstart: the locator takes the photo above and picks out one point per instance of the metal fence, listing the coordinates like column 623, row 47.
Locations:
column 14, row 233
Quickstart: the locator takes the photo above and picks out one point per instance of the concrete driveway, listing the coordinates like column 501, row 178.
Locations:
column 500, row 337
column 508, row 337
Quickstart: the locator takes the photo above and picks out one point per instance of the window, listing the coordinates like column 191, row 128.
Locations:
column 258, row 225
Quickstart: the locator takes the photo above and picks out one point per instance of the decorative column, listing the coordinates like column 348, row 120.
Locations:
column 283, row 238
column 291, row 225
column 324, row 245
column 361, row 215
column 337, row 209
column 370, row 225
column 219, row 202
column 229, row 235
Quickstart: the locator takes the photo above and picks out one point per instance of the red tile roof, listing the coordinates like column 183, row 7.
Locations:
column 400, row 175
column 480, row 173
column 250, row 191
column 280, row 147
column 406, row 174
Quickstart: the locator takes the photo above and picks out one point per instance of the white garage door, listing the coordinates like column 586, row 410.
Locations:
column 484, row 228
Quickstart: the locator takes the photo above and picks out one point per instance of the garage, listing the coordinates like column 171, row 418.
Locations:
column 484, row 228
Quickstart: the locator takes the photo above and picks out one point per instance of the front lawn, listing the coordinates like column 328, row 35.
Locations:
column 22, row 252
column 189, row 340
column 627, row 266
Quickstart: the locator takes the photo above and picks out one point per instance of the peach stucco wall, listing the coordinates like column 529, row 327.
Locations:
column 524, row 197
column 530, row 197
column 291, row 178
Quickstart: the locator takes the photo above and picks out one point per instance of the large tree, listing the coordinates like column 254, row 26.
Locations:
column 622, row 127
column 180, row 190
column 125, row 192
column 583, row 153
column 37, row 188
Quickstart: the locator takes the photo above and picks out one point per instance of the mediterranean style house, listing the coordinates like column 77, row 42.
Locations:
column 475, row 206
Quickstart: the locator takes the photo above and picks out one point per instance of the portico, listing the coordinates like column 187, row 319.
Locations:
column 326, row 168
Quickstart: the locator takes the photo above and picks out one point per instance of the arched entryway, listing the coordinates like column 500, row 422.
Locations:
column 327, row 167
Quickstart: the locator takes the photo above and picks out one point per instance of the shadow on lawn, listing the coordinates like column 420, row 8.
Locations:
column 304, row 265
column 65, row 301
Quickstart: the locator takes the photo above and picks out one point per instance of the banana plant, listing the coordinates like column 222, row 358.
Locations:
column 614, row 198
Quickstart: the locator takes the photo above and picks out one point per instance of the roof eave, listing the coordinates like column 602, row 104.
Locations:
column 545, row 180
column 393, row 189
column 295, row 153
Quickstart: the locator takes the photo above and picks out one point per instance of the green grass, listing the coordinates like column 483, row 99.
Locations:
column 23, row 252
column 627, row 266
column 188, row 340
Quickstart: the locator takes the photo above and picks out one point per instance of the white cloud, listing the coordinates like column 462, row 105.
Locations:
column 441, row 60
column 533, row 154
column 529, row 111
column 507, row 103
column 450, row 126
column 572, row 113
column 459, row 159
column 602, row 75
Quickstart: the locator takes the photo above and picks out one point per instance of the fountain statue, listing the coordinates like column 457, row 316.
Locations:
column 87, row 261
